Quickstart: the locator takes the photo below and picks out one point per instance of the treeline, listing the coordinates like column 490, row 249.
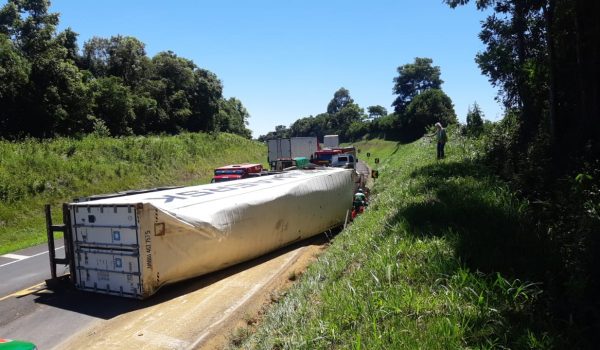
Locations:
column 420, row 103
column 544, row 58
column 49, row 87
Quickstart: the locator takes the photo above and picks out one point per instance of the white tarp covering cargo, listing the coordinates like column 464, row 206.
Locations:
column 133, row 245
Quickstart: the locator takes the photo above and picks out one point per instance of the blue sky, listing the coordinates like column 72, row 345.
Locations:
column 285, row 59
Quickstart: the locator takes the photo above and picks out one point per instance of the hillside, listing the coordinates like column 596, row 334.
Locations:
column 33, row 173
column 436, row 262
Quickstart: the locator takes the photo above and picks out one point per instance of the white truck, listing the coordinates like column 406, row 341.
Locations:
column 331, row 141
column 291, row 148
column 344, row 160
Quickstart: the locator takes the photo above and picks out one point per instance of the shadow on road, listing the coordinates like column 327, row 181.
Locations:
column 108, row 306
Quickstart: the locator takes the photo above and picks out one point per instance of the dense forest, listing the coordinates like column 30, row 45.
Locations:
column 49, row 87
column 543, row 57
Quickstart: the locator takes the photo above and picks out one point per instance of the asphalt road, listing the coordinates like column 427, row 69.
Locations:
column 23, row 315
column 25, row 268
column 66, row 317
column 179, row 316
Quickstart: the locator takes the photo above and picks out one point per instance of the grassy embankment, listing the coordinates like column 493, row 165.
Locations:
column 436, row 262
column 33, row 173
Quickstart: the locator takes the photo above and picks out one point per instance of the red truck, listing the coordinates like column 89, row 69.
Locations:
column 323, row 156
column 236, row 172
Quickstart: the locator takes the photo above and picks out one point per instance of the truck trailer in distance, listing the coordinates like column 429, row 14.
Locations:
column 291, row 148
column 331, row 141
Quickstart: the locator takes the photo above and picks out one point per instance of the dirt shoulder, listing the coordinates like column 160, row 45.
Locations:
column 250, row 315
column 205, row 313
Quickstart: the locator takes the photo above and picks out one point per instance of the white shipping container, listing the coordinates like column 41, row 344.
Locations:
column 304, row 146
column 132, row 245
column 331, row 141
column 279, row 148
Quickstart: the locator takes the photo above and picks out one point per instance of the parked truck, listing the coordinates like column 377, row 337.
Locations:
column 324, row 156
column 343, row 160
column 290, row 148
column 236, row 172
column 331, row 141
column 132, row 244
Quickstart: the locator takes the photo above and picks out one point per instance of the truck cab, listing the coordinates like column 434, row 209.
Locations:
column 236, row 172
column 324, row 156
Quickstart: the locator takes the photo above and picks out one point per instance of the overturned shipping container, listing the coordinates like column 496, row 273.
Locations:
column 132, row 245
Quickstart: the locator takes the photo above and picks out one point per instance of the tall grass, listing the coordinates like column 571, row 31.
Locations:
column 436, row 262
column 35, row 172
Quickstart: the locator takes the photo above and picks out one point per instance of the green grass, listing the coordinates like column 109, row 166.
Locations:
column 33, row 173
column 436, row 262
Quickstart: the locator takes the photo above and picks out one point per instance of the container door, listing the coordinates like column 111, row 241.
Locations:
column 106, row 248
column 285, row 148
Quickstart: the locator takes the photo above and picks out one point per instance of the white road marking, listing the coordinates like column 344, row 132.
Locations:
column 26, row 257
column 15, row 256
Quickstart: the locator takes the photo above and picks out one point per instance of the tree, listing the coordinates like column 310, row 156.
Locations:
column 341, row 98
column 385, row 127
column 96, row 54
column 413, row 79
column 474, row 120
column 149, row 117
column 341, row 121
column 68, row 40
column 127, row 59
column 113, row 104
column 188, row 95
column 425, row 110
column 48, row 89
column 32, row 34
column 14, row 77
column 543, row 57
column 176, row 72
column 206, row 92
column 376, row 111
column 356, row 130
column 311, row 126
column 233, row 117
column 55, row 100
column 281, row 131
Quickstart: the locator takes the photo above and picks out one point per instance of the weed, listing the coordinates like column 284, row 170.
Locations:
column 435, row 263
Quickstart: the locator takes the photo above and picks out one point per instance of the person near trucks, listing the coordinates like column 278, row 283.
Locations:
column 359, row 203
column 360, row 199
column 442, row 138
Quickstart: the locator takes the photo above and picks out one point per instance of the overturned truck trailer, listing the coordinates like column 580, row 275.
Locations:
column 132, row 245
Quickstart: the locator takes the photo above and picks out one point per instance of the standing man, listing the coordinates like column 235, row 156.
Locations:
column 441, row 140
